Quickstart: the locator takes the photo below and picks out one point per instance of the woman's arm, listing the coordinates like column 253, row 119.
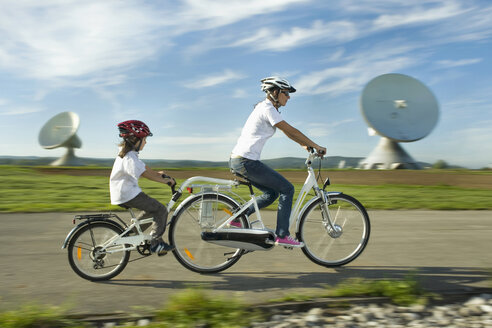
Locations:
column 157, row 176
column 299, row 137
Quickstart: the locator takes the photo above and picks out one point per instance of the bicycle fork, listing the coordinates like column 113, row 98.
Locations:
column 333, row 229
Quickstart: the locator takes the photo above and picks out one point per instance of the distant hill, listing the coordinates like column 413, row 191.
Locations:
column 277, row 163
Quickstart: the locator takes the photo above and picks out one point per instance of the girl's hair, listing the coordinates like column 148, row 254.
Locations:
column 127, row 145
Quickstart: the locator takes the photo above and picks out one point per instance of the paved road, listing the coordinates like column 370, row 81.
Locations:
column 451, row 251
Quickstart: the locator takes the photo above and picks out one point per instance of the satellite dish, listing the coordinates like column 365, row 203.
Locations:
column 60, row 131
column 399, row 108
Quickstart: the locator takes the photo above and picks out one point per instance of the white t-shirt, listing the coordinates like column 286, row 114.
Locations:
column 259, row 127
column 123, row 182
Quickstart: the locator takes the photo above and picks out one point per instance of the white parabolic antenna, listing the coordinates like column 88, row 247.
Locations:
column 60, row 131
column 399, row 108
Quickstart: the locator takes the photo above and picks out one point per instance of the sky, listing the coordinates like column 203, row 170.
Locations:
column 191, row 70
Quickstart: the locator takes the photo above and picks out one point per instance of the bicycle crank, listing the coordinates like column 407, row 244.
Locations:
column 144, row 249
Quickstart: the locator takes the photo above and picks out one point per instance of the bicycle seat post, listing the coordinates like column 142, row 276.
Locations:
column 131, row 213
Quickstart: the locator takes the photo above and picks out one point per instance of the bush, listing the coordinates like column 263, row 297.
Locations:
column 194, row 308
column 440, row 164
column 34, row 316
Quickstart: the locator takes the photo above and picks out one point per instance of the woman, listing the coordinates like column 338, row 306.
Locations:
column 245, row 158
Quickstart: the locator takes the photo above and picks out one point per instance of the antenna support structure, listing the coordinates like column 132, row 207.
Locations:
column 60, row 131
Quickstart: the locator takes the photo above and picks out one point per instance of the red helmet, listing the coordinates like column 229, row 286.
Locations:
column 134, row 128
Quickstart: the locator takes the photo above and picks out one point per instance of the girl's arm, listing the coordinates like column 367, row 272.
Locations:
column 299, row 137
column 157, row 176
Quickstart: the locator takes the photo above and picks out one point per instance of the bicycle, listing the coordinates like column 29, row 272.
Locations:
column 334, row 228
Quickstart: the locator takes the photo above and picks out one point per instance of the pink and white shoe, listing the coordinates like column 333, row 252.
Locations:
column 288, row 241
column 235, row 224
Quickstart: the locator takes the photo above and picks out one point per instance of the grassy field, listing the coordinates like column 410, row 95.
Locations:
column 47, row 189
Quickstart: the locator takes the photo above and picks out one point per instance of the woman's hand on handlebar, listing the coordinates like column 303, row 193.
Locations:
column 320, row 151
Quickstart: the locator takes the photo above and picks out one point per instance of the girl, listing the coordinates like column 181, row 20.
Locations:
column 123, row 182
column 245, row 157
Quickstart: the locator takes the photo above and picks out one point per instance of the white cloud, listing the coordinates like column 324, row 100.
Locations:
column 240, row 93
column 457, row 63
column 356, row 70
column 53, row 40
column 337, row 31
column 326, row 129
column 207, row 14
column 419, row 15
column 19, row 111
column 213, row 80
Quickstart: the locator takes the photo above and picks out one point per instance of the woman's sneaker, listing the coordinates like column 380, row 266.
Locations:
column 235, row 224
column 161, row 248
column 288, row 241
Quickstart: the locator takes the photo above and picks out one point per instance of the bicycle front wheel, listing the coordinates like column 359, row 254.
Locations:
column 185, row 233
column 87, row 258
column 334, row 247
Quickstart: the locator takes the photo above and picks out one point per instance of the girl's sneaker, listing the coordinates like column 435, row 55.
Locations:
column 161, row 248
column 288, row 241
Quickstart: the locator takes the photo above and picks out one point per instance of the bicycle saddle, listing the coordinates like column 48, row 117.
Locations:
column 239, row 175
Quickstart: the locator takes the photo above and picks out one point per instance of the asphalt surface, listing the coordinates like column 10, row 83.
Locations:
column 449, row 250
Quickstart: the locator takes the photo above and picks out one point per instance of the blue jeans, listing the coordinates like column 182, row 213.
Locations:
column 272, row 184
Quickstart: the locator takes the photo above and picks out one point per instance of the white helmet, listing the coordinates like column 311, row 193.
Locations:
column 276, row 82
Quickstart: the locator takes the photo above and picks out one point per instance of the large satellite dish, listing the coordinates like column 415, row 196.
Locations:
column 60, row 131
column 399, row 108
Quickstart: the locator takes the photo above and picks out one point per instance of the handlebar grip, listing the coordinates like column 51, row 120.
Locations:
column 165, row 176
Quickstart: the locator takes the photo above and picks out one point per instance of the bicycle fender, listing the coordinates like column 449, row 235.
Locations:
column 194, row 197
column 83, row 224
column 312, row 200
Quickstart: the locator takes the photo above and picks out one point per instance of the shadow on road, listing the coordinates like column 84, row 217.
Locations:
column 430, row 278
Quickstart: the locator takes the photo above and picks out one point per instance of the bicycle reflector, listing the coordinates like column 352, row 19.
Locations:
column 189, row 254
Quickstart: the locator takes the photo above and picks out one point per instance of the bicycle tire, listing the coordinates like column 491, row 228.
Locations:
column 82, row 247
column 185, row 231
column 332, row 251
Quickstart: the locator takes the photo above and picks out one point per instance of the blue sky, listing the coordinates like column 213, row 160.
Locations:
column 191, row 69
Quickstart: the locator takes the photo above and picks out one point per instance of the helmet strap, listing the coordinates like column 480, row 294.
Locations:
column 274, row 99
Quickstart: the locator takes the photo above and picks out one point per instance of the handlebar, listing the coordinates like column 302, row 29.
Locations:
column 316, row 152
column 172, row 185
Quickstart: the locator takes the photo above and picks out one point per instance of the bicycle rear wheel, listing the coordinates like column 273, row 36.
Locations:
column 185, row 234
column 334, row 248
column 87, row 259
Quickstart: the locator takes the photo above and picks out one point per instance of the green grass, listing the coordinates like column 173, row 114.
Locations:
column 38, row 316
column 195, row 308
column 401, row 292
column 25, row 189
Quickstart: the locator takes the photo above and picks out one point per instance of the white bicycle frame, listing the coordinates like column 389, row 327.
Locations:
column 135, row 240
column 215, row 185
column 309, row 184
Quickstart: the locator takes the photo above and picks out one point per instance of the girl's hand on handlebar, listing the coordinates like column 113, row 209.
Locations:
column 168, row 180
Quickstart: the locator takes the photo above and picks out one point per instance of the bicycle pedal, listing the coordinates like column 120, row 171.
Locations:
column 287, row 247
